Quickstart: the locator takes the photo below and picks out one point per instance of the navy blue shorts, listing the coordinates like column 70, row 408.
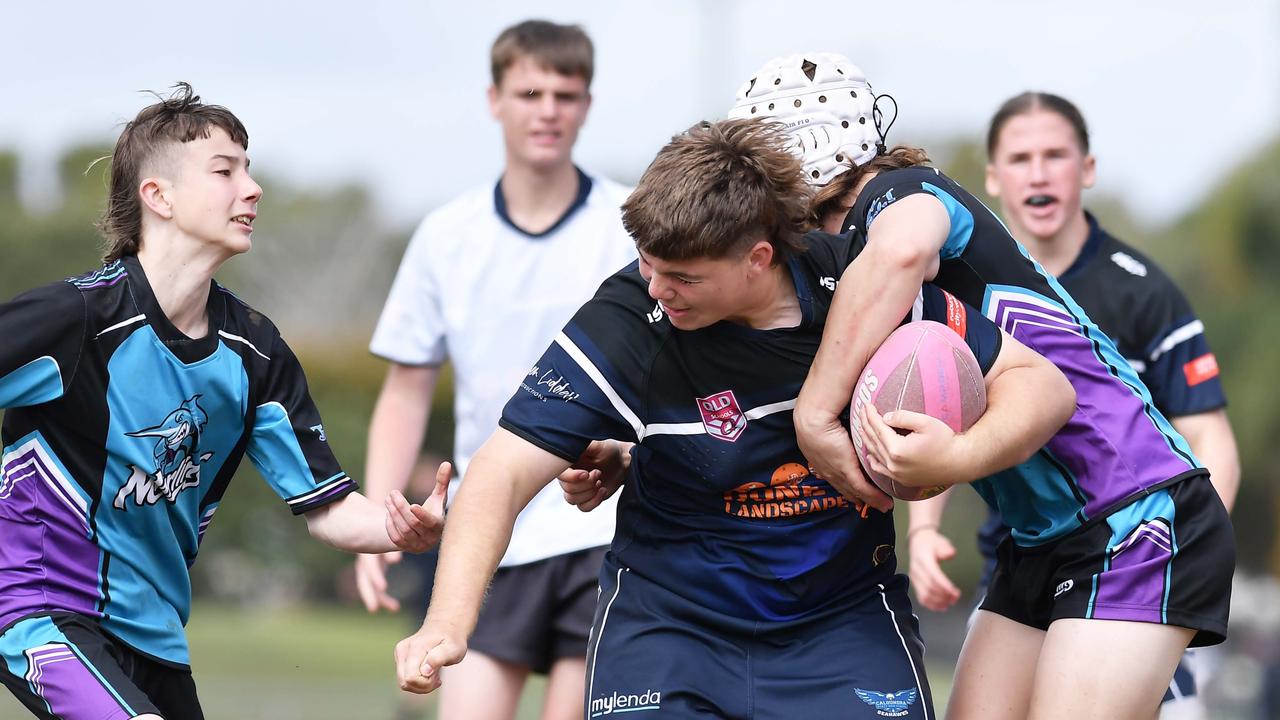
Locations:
column 655, row 654
column 65, row 667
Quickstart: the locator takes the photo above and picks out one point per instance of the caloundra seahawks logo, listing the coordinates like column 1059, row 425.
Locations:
column 177, row 457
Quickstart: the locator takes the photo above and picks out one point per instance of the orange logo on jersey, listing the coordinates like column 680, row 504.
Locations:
column 786, row 495
column 957, row 318
column 1201, row 369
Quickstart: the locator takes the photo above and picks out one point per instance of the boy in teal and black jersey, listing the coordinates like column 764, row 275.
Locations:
column 132, row 394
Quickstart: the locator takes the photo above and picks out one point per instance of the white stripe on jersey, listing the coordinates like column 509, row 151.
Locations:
column 596, row 376
column 697, row 428
column 63, row 488
column 1177, row 337
column 122, row 323
column 237, row 338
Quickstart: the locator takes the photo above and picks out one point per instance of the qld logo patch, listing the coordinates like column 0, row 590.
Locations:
column 722, row 417
column 894, row 704
column 177, row 457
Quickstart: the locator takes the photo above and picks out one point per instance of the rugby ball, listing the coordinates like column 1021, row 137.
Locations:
column 924, row 367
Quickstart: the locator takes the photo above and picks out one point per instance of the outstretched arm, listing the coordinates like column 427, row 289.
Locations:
column 358, row 524
column 396, row 430
column 927, row 549
column 874, row 294
column 504, row 475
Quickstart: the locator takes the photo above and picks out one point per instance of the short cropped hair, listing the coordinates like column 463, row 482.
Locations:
column 565, row 49
column 1030, row 101
column 717, row 189
column 179, row 118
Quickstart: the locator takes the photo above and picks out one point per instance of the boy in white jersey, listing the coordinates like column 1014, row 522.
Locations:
column 485, row 281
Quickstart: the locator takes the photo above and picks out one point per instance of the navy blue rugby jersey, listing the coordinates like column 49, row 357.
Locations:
column 1117, row 446
column 719, row 506
column 1153, row 326
column 120, row 438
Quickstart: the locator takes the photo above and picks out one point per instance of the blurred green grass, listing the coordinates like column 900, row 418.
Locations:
column 318, row 663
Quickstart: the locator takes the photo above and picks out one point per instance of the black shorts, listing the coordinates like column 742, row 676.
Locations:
column 65, row 667
column 538, row 613
column 654, row 654
column 1166, row 558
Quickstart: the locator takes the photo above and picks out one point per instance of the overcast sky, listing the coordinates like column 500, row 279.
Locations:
column 392, row 93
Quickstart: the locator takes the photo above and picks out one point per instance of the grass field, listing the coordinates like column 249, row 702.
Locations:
column 310, row 663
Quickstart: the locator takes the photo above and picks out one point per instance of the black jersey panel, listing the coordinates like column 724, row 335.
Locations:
column 41, row 333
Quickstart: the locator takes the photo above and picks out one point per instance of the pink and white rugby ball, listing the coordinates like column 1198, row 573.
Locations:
column 924, row 367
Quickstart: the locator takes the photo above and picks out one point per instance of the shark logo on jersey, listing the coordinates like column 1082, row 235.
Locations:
column 177, row 457
column 894, row 704
column 722, row 417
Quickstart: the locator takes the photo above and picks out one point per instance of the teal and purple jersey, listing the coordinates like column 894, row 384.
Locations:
column 120, row 437
column 1117, row 446
column 719, row 507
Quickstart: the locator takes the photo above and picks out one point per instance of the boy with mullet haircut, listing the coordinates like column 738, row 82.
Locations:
column 132, row 394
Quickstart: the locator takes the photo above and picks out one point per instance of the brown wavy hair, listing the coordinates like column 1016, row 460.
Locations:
column 718, row 188
column 565, row 49
column 179, row 118
column 837, row 195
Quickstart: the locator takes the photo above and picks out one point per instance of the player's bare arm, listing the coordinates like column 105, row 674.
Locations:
column 927, row 549
column 1213, row 442
column 1011, row 430
column 358, row 524
column 396, row 430
column 504, row 475
column 874, row 294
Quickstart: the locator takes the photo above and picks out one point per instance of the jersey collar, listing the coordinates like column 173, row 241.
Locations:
column 1089, row 250
column 500, row 206
column 186, row 349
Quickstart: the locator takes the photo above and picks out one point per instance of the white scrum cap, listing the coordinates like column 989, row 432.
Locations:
column 826, row 103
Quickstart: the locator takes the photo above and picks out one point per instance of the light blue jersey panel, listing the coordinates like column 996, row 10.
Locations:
column 39, row 381
column 961, row 223
column 172, row 427
column 1038, row 497
column 274, row 449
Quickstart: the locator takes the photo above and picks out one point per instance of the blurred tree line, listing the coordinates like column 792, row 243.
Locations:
column 323, row 261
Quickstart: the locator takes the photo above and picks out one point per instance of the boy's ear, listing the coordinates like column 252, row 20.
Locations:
column 154, row 193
